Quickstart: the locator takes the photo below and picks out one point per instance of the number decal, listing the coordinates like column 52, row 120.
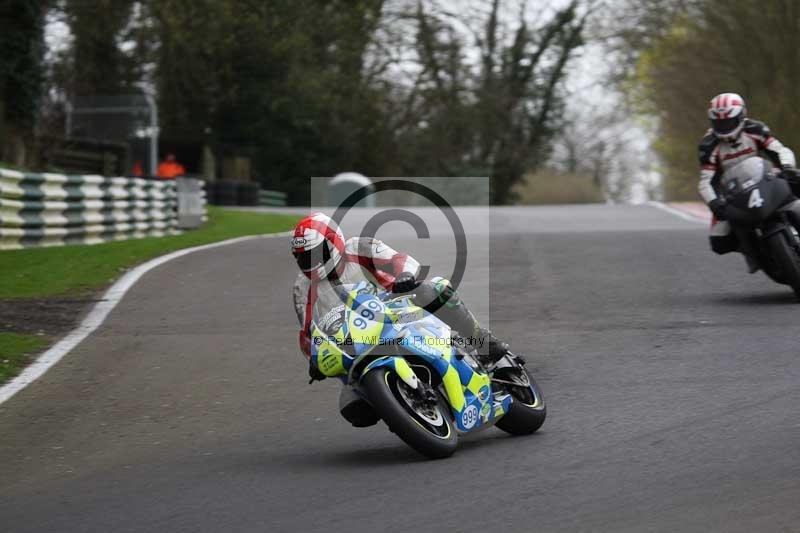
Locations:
column 366, row 319
column 371, row 310
column 755, row 199
column 469, row 417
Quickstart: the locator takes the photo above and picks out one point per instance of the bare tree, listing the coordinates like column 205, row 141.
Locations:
column 495, row 115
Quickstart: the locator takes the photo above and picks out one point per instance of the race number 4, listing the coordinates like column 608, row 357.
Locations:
column 755, row 199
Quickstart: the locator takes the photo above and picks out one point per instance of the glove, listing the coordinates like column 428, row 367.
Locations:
column 719, row 207
column 315, row 374
column 405, row 282
column 791, row 174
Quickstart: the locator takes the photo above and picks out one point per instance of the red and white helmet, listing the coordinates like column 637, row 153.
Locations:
column 317, row 245
column 727, row 113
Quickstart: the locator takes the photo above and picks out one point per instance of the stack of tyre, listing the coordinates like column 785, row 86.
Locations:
column 230, row 192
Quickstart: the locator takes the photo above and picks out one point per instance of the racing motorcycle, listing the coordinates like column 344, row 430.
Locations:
column 763, row 213
column 406, row 369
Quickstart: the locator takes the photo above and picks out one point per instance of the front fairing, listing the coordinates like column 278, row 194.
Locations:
column 753, row 191
column 758, row 202
column 375, row 329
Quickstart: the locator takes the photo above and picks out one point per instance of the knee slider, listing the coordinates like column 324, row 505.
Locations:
column 356, row 410
column 360, row 414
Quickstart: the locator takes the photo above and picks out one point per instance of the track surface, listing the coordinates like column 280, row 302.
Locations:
column 671, row 379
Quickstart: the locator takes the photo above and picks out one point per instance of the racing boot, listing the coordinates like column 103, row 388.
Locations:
column 437, row 296
column 495, row 350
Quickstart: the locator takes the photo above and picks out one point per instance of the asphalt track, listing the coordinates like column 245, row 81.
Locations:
column 671, row 378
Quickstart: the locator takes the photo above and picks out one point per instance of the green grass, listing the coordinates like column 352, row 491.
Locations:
column 64, row 270
column 15, row 351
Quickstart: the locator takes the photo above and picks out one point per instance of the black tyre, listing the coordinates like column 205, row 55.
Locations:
column 787, row 260
column 247, row 193
column 428, row 429
column 210, row 191
column 773, row 274
column 225, row 192
column 528, row 412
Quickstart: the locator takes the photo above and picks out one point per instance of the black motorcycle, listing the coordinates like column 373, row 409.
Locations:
column 763, row 213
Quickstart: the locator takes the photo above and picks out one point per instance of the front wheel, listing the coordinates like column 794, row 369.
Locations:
column 528, row 411
column 787, row 259
column 424, row 426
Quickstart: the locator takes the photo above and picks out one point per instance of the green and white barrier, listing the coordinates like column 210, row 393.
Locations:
column 56, row 209
column 272, row 198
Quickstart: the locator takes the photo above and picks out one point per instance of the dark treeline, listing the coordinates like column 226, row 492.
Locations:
column 21, row 74
column 307, row 87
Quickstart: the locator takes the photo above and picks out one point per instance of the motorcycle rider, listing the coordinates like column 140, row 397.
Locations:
column 327, row 260
column 731, row 139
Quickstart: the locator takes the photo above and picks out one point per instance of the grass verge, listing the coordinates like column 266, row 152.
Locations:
column 66, row 270
column 37, row 283
column 16, row 351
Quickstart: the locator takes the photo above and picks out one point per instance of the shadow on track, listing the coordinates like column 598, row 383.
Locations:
column 362, row 455
column 772, row 298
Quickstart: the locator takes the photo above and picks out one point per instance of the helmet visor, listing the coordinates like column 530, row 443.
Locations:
column 724, row 126
column 313, row 258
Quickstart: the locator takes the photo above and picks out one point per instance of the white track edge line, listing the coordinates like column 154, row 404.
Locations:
column 677, row 212
column 101, row 310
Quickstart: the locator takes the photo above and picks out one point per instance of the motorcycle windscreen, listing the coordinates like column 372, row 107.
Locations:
column 744, row 175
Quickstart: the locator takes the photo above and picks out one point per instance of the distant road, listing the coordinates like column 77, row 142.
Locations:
column 671, row 377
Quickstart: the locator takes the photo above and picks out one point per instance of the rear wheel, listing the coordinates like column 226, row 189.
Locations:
column 528, row 412
column 425, row 426
column 787, row 259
